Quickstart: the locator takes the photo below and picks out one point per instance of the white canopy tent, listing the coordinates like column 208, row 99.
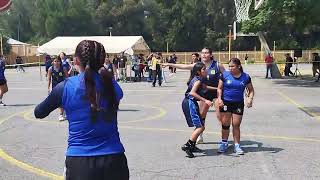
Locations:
column 112, row 44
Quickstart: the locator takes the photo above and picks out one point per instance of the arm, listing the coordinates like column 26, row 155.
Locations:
column 211, row 88
column 66, row 73
column 52, row 102
column 179, row 66
column 194, row 93
column 250, row 95
column 49, row 79
column 219, row 93
column 118, row 90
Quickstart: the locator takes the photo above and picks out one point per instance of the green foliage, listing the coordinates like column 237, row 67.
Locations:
column 186, row 25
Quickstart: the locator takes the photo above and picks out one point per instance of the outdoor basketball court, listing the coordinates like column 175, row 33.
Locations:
column 280, row 134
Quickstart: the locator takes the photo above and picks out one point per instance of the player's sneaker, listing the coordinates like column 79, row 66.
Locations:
column 188, row 150
column 61, row 117
column 196, row 149
column 2, row 104
column 199, row 139
column 238, row 150
column 223, row 147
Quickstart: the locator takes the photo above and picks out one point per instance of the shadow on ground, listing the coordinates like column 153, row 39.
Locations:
column 305, row 81
column 247, row 146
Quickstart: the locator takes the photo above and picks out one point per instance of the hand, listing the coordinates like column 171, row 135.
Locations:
column 249, row 102
column 164, row 65
column 219, row 102
column 209, row 103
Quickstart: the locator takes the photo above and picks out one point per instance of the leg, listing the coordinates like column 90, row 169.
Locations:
column 236, row 121
column 154, row 75
column 159, row 72
column 225, row 130
column 203, row 108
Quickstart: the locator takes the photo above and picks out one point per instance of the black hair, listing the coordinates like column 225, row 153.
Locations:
column 209, row 49
column 196, row 70
column 92, row 55
column 237, row 62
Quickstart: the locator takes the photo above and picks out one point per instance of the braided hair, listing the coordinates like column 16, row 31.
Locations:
column 92, row 55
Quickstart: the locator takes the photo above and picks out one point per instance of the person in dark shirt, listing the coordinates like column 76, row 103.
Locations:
column 214, row 70
column 19, row 63
column 91, row 102
column 3, row 81
column 231, row 101
column 289, row 62
column 56, row 74
column 190, row 107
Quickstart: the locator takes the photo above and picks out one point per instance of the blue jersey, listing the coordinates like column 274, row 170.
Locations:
column 65, row 64
column 2, row 69
column 86, row 138
column 213, row 75
column 57, row 75
column 233, row 88
column 190, row 86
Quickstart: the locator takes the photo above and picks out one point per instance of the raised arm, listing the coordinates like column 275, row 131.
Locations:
column 52, row 102
column 179, row 66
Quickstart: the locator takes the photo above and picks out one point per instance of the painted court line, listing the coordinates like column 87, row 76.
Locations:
column 218, row 133
column 316, row 116
column 21, row 164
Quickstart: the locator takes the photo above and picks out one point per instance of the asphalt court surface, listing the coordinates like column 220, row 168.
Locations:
column 280, row 134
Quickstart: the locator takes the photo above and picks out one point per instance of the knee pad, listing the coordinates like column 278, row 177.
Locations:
column 226, row 127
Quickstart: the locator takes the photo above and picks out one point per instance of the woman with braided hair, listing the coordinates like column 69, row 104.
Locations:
column 91, row 102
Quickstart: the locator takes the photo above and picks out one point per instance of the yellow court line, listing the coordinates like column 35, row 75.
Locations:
column 218, row 133
column 27, row 167
column 23, row 165
column 298, row 105
column 26, row 115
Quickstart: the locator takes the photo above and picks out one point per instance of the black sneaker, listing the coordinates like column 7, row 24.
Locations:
column 188, row 150
column 196, row 149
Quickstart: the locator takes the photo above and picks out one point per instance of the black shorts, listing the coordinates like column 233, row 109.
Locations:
column 3, row 82
column 113, row 166
column 210, row 95
column 233, row 107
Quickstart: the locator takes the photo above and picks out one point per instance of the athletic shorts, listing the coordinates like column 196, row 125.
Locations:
column 3, row 82
column 191, row 112
column 113, row 166
column 233, row 107
column 210, row 95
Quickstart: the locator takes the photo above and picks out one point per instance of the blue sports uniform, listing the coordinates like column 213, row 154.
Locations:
column 2, row 69
column 190, row 105
column 86, row 138
column 57, row 75
column 212, row 79
column 65, row 64
column 233, row 92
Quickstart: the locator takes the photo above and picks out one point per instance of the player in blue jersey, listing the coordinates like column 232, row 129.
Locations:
column 214, row 70
column 56, row 74
column 65, row 62
column 231, row 89
column 190, row 107
column 3, row 81
column 91, row 100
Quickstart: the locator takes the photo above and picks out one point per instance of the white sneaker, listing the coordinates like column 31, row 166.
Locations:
column 200, row 139
column 2, row 104
column 61, row 118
